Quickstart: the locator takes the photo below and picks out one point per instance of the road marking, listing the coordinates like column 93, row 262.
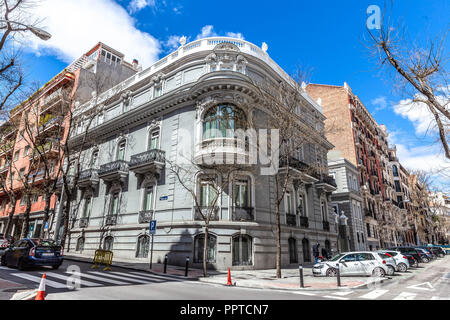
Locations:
column 420, row 286
column 119, row 277
column 102, row 279
column 298, row 292
column 4, row 268
column 405, row 296
column 152, row 276
column 374, row 294
column 438, row 298
column 342, row 293
column 334, row 297
column 136, row 276
column 78, row 280
column 49, row 283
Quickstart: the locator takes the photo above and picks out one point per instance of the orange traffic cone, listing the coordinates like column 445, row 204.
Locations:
column 229, row 278
column 41, row 291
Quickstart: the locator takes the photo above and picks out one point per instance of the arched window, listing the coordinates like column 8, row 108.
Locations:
column 199, row 244
column 121, row 150
column 108, row 243
column 395, row 170
column 328, row 247
column 94, row 159
column 293, row 257
column 306, row 250
column 242, row 250
column 223, row 119
column 142, row 246
column 323, row 209
column 301, row 204
column 80, row 244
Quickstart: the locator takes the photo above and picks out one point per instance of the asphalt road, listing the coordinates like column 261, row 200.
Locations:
column 432, row 282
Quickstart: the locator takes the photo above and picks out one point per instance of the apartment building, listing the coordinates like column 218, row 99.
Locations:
column 162, row 115
column 32, row 138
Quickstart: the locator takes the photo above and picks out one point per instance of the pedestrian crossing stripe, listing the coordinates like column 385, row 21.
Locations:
column 153, row 276
column 101, row 279
column 137, row 276
column 74, row 278
column 121, row 278
column 342, row 293
column 49, row 283
column 374, row 294
column 335, row 297
column 405, row 296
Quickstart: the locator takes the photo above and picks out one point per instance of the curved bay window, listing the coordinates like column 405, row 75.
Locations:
column 242, row 250
column 199, row 245
column 221, row 121
column 142, row 246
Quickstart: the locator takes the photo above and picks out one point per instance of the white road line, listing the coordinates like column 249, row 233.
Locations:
column 102, row 279
column 439, row 298
column 334, row 297
column 136, row 276
column 342, row 293
column 80, row 281
column 121, row 278
column 152, row 276
column 299, row 292
column 5, row 268
column 405, row 296
column 374, row 294
column 49, row 283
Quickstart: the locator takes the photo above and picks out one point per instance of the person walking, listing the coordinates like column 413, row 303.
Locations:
column 316, row 252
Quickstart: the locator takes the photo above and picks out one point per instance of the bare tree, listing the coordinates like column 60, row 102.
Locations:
column 420, row 71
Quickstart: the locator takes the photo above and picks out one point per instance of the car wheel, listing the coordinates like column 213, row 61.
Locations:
column 402, row 267
column 378, row 272
column 21, row 265
column 332, row 272
column 55, row 267
column 391, row 270
column 3, row 261
column 426, row 260
column 441, row 255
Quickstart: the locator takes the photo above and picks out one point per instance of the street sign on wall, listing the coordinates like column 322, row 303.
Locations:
column 152, row 227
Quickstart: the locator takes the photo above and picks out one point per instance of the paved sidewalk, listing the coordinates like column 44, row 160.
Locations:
column 249, row 278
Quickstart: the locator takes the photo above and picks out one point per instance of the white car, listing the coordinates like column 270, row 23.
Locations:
column 365, row 263
column 390, row 262
column 401, row 260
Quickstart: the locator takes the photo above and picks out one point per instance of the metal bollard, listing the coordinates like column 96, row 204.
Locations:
column 300, row 268
column 187, row 267
column 338, row 274
column 165, row 263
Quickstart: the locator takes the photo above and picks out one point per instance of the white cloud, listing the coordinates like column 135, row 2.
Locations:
column 417, row 113
column 138, row 5
column 380, row 103
column 235, row 35
column 208, row 31
column 172, row 43
column 77, row 25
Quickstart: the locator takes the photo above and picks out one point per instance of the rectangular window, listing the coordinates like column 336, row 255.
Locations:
column 26, row 151
column 23, row 200
column 158, row 91
column 241, row 194
column 288, row 202
column 207, row 193
column 114, row 204
column 148, row 199
column 154, row 140
column 121, row 151
column 87, row 207
column 16, row 155
column 35, row 198
column 323, row 209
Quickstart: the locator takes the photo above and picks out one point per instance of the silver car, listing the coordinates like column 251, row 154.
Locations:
column 401, row 260
column 390, row 262
column 365, row 263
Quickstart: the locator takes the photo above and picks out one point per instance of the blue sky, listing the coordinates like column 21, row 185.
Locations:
column 326, row 36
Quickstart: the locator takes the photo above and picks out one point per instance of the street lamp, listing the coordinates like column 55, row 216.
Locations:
column 38, row 32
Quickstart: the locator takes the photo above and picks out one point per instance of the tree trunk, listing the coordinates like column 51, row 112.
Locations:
column 9, row 223
column 26, row 226
column 205, row 251
column 46, row 211
column 278, row 232
column 66, row 221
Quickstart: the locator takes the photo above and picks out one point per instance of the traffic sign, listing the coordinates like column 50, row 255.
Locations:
column 152, row 227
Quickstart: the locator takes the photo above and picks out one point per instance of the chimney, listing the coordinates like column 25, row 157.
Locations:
column 135, row 63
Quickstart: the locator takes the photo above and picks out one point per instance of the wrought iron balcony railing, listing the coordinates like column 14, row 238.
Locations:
column 291, row 219
column 113, row 170
column 243, row 214
column 150, row 160
column 202, row 213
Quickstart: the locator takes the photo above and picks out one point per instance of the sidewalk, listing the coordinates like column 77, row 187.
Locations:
column 263, row 279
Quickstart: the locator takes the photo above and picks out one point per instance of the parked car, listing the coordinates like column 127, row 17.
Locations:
column 402, row 261
column 413, row 263
column 32, row 252
column 426, row 255
column 365, row 263
column 430, row 252
column 437, row 251
column 390, row 262
column 440, row 250
column 411, row 251
column 4, row 243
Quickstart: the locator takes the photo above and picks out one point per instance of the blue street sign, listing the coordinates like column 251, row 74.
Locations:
column 46, row 226
column 163, row 198
column 152, row 227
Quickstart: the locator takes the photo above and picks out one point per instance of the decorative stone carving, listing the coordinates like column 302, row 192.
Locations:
column 226, row 56
column 183, row 40
column 156, row 79
column 222, row 97
column 126, row 98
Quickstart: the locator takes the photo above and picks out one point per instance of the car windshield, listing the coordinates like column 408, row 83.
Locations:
column 336, row 257
column 44, row 243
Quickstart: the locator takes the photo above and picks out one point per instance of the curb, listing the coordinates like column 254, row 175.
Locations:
column 138, row 269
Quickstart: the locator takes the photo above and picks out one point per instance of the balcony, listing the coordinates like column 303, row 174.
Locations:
column 326, row 225
column 308, row 174
column 88, row 178
column 83, row 222
column 117, row 170
column 222, row 151
column 47, row 149
column 291, row 219
column 149, row 161
column 202, row 213
column 304, row 222
column 6, row 148
column 48, row 123
column 52, row 98
column 110, row 220
column 145, row 216
column 327, row 183
column 243, row 214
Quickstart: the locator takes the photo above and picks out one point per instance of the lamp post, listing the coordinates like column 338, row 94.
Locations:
column 38, row 32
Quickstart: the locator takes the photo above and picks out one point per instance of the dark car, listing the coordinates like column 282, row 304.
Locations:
column 5, row 241
column 437, row 251
column 32, row 252
column 417, row 254
column 431, row 252
column 412, row 262
column 426, row 256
